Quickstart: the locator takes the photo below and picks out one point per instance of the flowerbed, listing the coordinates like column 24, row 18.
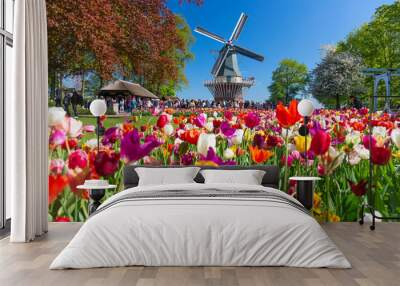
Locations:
column 338, row 150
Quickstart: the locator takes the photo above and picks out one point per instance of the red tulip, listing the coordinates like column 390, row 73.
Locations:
column 217, row 123
column 320, row 142
column 162, row 121
column 57, row 183
column 228, row 115
column 106, row 163
column 380, row 155
column 62, row 219
column 287, row 117
column 366, row 143
column 360, row 188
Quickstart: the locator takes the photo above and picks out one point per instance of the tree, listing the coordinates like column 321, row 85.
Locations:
column 288, row 80
column 338, row 76
column 377, row 43
column 139, row 39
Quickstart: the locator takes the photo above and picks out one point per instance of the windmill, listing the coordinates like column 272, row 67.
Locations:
column 228, row 83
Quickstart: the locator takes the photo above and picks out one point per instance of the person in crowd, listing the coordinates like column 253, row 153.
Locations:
column 58, row 97
column 75, row 98
column 355, row 102
column 66, row 103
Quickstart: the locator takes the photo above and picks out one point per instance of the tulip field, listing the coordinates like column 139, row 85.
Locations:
column 338, row 149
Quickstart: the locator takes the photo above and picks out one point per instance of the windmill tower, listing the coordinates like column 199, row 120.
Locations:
column 227, row 83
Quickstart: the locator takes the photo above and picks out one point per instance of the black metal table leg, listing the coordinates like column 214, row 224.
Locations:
column 95, row 198
column 305, row 193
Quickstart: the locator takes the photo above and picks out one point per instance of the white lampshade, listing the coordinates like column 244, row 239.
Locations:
column 98, row 107
column 305, row 108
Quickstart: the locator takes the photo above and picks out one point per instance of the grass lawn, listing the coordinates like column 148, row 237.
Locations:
column 113, row 121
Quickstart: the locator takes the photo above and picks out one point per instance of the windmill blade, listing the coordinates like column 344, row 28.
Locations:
column 220, row 60
column 239, row 26
column 213, row 36
column 248, row 53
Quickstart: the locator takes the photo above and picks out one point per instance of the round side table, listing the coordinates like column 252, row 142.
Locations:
column 305, row 190
column 95, row 194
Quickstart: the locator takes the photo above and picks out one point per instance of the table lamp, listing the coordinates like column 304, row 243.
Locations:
column 305, row 185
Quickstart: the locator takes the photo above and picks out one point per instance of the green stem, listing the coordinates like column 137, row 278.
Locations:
column 286, row 161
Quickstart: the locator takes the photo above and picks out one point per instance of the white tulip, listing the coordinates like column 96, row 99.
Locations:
column 189, row 126
column 353, row 138
column 168, row 129
column 209, row 126
column 73, row 127
column 237, row 137
column 379, row 131
column 395, row 135
column 178, row 141
column 362, row 152
column 56, row 116
column 291, row 147
column 205, row 142
column 286, row 132
column 91, row 143
column 228, row 154
column 354, row 158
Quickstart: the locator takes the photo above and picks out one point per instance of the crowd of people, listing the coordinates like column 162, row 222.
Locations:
column 131, row 103
column 70, row 99
column 128, row 104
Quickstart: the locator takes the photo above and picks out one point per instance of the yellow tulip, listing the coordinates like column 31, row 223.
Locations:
column 300, row 142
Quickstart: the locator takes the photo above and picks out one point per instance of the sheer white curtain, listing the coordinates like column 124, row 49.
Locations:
column 26, row 124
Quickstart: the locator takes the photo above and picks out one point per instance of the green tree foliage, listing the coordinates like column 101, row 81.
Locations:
column 377, row 43
column 336, row 78
column 288, row 80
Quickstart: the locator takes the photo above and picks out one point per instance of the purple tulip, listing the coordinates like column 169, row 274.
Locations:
column 111, row 135
column 259, row 140
column 133, row 150
column 200, row 120
column 212, row 156
column 187, row 159
column 227, row 130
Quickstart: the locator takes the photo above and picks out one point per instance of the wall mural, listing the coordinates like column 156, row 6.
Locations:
column 337, row 151
column 96, row 58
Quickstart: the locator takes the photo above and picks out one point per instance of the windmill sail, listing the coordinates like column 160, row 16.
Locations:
column 213, row 36
column 248, row 53
column 220, row 60
column 239, row 26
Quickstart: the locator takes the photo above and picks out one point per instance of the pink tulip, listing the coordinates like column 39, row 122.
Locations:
column 252, row 120
column 57, row 166
column 77, row 159
column 57, row 137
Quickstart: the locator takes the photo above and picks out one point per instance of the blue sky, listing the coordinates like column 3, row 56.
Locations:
column 277, row 29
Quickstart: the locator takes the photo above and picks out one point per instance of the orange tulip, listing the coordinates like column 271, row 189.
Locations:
column 191, row 136
column 259, row 155
column 287, row 117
